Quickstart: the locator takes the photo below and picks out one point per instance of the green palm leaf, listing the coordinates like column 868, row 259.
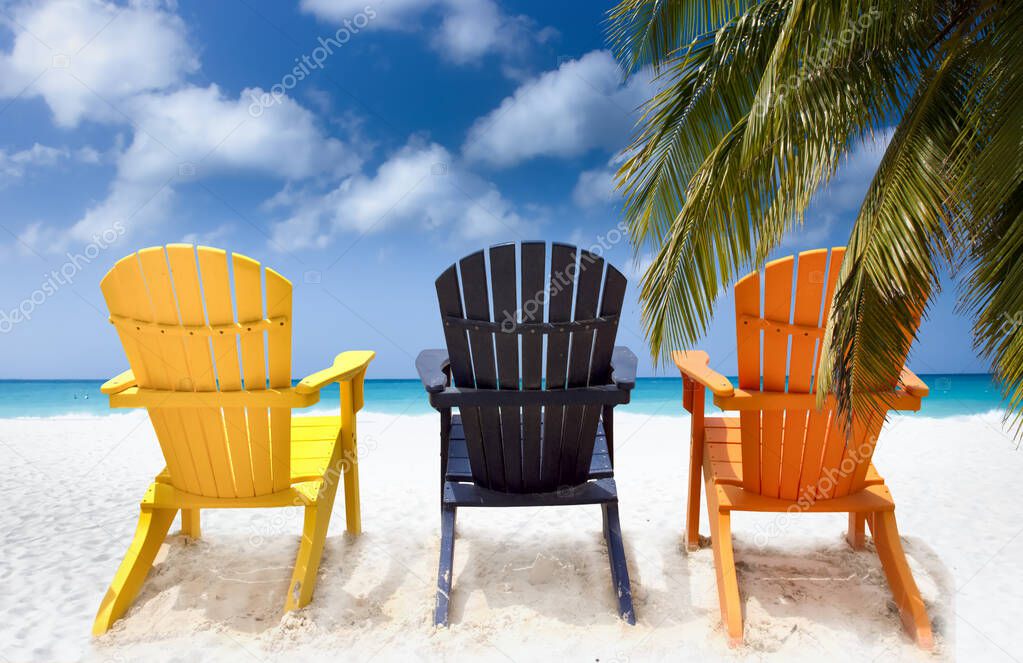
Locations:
column 761, row 101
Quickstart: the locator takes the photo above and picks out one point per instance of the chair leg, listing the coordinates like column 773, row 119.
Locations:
column 190, row 525
column 353, row 510
column 350, row 456
column 149, row 535
column 724, row 565
column 445, row 568
column 893, row 560
column 693, row 505
column 310, row 551
column 856, row 534
column 619, row 566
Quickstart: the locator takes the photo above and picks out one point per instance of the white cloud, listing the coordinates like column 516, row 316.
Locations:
column 594, row 188
column 847, row 188
column 580, row 106
column 467, row 31
column 208, row 237
column 14, row 164
column 193, row 133
column 420, row 185
column 214, row 133
column 393, row 14
column 86, row 58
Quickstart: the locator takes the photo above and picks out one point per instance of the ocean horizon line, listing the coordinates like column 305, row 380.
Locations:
column 952, row 394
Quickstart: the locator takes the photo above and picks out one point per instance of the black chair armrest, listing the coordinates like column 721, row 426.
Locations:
column 623, row 367
column 432, row 366
column 608, row 394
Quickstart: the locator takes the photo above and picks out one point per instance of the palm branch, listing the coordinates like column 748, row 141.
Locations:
column 759, row 104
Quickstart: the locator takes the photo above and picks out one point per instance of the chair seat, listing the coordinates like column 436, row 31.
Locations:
column 312, row 444
column 723, row 446
column 458, row 454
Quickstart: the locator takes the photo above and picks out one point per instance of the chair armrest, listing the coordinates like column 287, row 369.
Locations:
column 695, row 366
column 623, row 367
column 347, row 366
column 605, row 394
column 912, row 384
column 118, row 384
column 752, row 399
column 432, row 368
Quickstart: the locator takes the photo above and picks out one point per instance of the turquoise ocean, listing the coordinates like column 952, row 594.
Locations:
column 951, row 395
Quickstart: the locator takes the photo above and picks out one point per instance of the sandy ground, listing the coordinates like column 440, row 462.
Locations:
column 529, row 583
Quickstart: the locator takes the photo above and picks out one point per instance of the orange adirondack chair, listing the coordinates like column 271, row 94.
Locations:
column 782, row 454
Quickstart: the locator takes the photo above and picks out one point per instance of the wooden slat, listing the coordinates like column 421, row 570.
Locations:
column 611, row 299
column 806, row 313
column 722, row 435
column 747, row 302
column 125, row 294
column 468, row 495
column 197, row 349
column 249, row 300
column 777, row 306
column 731, row 453
column 534, row 295
column 727, row 473
column 858, row 451
column 874, row 498
column 477, row 307
column 560, row 310
column 575, row 451
column 449, row 297
column 216, row 285
column 861, row 476
column 858, row 454
column 727, row 468
column 312, row 444
column 726, row 462
column 458, row 468
column 278, row 343
column 503, row 277
column 184, row 400
column 165, row 311
column 834, row 449
column 817, row 424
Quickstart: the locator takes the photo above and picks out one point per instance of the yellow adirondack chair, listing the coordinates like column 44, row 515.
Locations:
column 224, row 423
column 782, row 454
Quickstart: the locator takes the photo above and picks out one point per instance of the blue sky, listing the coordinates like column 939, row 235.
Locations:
column 357, row 148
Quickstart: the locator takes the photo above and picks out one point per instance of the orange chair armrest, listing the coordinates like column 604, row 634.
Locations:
column 913, row 384
column 695, row 366
column 753, row 400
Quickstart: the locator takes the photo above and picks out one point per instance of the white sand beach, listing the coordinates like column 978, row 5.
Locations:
column 529, row 583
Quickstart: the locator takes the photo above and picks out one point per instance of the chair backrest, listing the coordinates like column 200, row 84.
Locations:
column 183, row 329
column 795, row 453
column 565, row 309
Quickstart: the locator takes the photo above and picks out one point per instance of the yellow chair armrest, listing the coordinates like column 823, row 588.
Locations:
column 118, row 384
column 349, row 365
column 694, row 365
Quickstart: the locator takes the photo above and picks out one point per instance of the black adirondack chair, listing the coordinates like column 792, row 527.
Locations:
column 528, row 436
